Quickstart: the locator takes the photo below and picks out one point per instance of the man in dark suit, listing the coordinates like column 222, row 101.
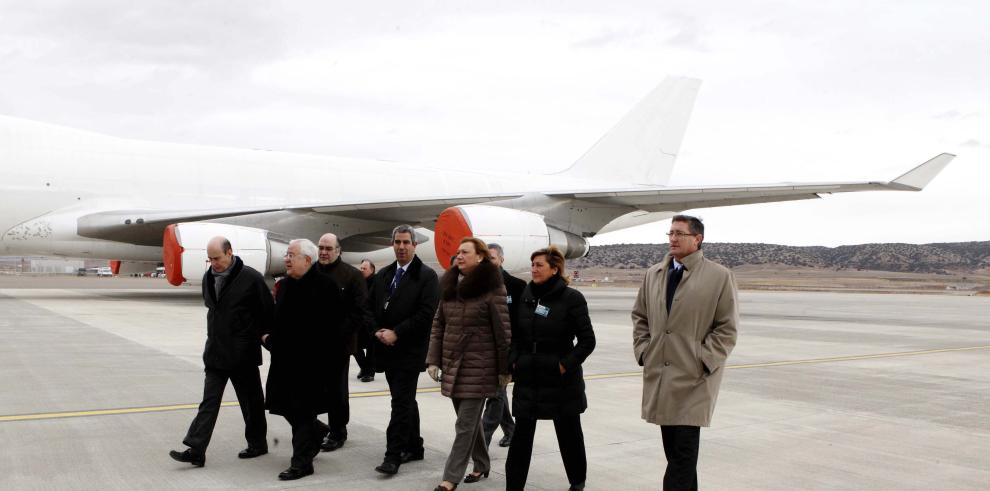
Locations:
column 497, row 410
column 307, row 321
column 239, row 309
column 404, row 298
column 354, row 317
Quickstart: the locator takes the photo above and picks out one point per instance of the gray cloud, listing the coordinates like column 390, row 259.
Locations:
column 954, row 115
column 607, row 37
column 974, row 143
column 689, row 34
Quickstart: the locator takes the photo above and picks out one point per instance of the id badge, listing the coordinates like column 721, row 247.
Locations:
column 542, row 310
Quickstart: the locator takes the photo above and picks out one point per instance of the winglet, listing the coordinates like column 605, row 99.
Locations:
column 920, row 176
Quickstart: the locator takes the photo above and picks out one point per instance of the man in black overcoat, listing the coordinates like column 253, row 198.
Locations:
column 355, row 316
column 307, row 321
column 404, row 297
column 239, row 309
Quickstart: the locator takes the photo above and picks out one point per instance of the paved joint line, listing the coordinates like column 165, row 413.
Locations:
column 426, row 390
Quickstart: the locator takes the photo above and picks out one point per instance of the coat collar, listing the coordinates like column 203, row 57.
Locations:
column 691, row 261
column 412, row 268
column 209, row 280
column 329, row 267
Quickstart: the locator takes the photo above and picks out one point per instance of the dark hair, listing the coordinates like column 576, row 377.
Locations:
column 497, row 248
column 555, row 259
column 404, row 229
column 366, row 260
column 226, row 246
column 694, row 225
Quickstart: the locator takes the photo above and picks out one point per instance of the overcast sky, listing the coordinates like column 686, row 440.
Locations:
column 792, row 91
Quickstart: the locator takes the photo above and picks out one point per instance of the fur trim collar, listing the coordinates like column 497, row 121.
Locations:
column 484, row 279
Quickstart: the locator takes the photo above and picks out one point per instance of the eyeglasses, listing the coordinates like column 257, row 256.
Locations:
column 677, row 234
column 289, row 255
column 329, row 248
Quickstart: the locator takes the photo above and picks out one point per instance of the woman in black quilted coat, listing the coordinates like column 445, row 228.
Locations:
column 549, row 343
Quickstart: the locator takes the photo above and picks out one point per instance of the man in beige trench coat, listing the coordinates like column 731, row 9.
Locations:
column 684, row 327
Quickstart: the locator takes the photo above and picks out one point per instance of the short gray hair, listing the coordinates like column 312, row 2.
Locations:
column 497, row 248
column 308, row 248
column 404, row 229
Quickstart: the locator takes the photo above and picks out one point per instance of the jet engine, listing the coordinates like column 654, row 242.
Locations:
column 518, row 232
column 184, row 249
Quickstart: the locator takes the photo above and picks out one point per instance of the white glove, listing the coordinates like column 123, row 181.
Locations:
column 434, row 372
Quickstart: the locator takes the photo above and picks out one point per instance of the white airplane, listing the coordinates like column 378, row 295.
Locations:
column 71, row 193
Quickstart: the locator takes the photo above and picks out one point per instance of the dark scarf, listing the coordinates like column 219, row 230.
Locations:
column 540, row 289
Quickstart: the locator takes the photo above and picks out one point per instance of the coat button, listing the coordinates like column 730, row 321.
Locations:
column 666, row 363
column 668, row 331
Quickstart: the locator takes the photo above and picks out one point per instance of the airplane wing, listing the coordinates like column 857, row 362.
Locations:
column 145, row 227
column 673, row 199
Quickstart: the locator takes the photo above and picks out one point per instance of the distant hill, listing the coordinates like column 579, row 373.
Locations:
column 913, row 258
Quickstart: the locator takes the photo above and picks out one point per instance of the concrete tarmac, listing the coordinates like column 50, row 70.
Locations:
column 824, row 391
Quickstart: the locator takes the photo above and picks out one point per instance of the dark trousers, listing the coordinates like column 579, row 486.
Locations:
column 680, row 446
column 247, row 386
column 497, row 413
column 340, row 406
column 307, row 434
column 402, row 434
column 365, row 354
column 570, row 439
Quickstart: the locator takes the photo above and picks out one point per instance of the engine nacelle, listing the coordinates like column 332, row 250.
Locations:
column 518, row 232
column 184, row 249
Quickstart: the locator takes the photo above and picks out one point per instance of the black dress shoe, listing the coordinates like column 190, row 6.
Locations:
column 441, row 488
column 330, row 444
column 576, row 487
column 251, row 452
column 293, row 473
column 406, row 457
column 367, row 378
column 189, row 456
column 505, row 441
column 390, row 468
column 470, row 478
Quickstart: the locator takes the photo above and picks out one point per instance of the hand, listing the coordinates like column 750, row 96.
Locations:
column 387, row 336
column 562, row 369
column 504, row 380
column 264, row 338
column 434, row 372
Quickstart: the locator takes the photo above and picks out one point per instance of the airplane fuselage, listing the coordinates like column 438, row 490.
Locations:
column 51, row 176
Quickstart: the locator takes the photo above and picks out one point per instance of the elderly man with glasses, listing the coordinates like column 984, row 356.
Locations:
column 684, row 327
column 307, row 321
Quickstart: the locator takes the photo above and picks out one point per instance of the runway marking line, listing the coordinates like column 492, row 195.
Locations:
column 382, row 393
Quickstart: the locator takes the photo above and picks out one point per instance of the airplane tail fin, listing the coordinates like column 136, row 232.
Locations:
column 642, row 147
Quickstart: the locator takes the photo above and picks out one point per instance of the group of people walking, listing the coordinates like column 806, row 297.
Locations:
column 474, row 331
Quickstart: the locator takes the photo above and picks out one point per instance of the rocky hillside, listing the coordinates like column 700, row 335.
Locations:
column 923, row 258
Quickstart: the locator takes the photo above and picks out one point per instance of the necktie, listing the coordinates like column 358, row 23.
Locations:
column 673, row 279
column 395, row 281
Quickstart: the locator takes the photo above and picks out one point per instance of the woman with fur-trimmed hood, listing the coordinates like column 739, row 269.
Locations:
column 469, row 349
